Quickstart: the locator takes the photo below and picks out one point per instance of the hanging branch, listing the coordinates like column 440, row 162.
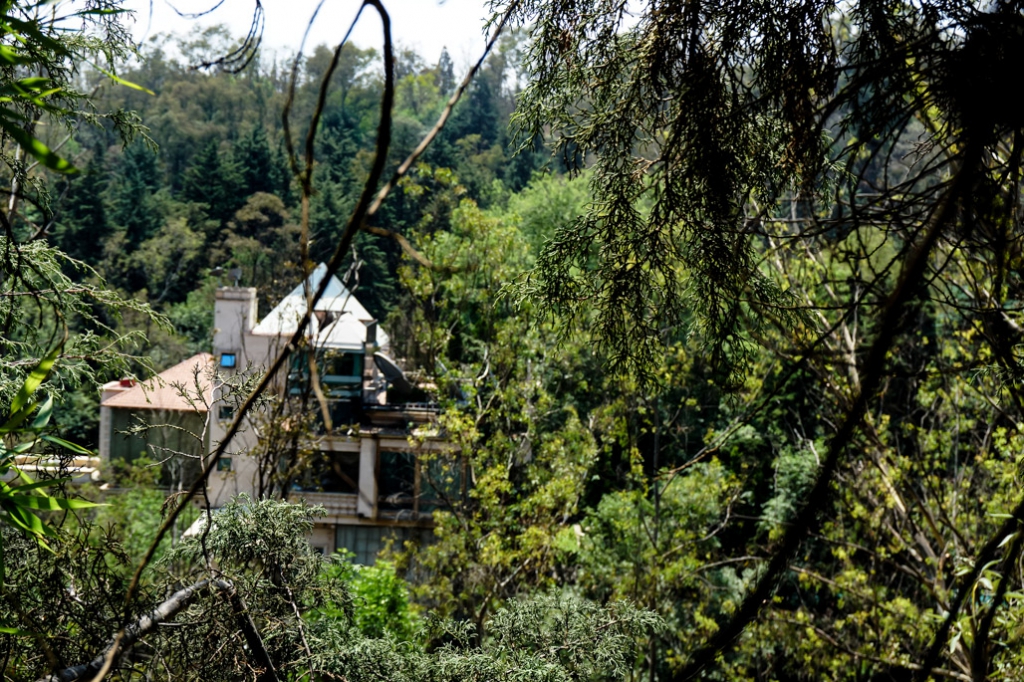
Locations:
column 986, row 555
column 910, row 279
column 366, row 206
column 443, row 118
column 400, row 172
column 305, row 176
column 358, row 214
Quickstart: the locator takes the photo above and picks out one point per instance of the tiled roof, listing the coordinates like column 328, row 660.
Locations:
column 164, row 391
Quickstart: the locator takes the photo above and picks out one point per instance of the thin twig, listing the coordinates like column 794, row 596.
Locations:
column 355, row 220
column 905, row 289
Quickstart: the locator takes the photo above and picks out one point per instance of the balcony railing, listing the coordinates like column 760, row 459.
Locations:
column 336, row 504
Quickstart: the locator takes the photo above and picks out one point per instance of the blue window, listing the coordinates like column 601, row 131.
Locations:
column 228, row 360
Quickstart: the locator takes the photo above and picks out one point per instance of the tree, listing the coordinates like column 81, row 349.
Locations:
column 134, row 206
column 217, row 181
column 22, row 435
column 83, row 221
column 262, row 241
column 445, row 79
column 260, row 171
column 43, row 103
column 797, row 178
column 276, row 609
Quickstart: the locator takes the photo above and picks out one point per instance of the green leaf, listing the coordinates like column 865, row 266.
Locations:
column 41, row 484
column 47, row 503
column 121, row 81
column 31, row 89
column 35, row 147
column 26, row 521
column 11, row 56
column 68, row 445
column 24, row 29
column 25, row 478
column 14, row 631
column 43, row 418
column 31, row 83
column 16, row 419
column 101, row 11
column 42, row 370
column 22, row 448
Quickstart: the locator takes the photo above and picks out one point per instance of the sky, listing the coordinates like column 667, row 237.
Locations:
column 427, row 26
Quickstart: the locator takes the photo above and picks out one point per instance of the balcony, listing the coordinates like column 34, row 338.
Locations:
column 336, row 504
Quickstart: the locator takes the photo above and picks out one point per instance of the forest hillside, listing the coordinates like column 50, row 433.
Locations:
column 718, row 302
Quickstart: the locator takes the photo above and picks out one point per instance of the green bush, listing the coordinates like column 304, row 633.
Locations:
column 380, row 598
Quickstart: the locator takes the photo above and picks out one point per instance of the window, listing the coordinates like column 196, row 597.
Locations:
column 367, row 541
column 224, row 464
column 407, row 483
column 228, row 360
column 340, row 373
column 225, row 412
column 345, row 470
column 396, row 481
column 331, row 472
column 342, row 364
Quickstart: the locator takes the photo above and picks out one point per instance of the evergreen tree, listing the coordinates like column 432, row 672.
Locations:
column 445, row 73
column 133, row 207
column 479, row 115
column 338, row 142
column 256, row 164
column 81, row 225
column 215, row 180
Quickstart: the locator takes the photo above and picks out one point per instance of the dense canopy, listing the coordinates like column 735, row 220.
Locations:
column 720, row 301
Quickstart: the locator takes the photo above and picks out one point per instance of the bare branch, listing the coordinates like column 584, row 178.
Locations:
column 145, row 624
column 910, row 279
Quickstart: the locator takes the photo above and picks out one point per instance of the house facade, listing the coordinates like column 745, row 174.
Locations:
column 378, row 465
column 162, row 419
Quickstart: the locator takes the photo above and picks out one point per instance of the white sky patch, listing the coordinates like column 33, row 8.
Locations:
column 426, row 26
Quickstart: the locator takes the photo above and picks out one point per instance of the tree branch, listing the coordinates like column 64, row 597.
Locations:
column 145, row 625
column 889, row 324
column 355, row 221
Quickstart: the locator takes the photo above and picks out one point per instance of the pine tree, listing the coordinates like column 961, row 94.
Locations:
column 445, row 73
column 81, row 225
column 215, row 180
column 479, row 115
column 133, row 208
column 256, row 164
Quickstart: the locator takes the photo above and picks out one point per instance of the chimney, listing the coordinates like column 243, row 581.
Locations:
column 112, row 388
column 234, row 315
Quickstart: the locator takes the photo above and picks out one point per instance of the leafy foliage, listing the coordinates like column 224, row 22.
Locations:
column 789, row 264
column 287, row 591
column 23, row 432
